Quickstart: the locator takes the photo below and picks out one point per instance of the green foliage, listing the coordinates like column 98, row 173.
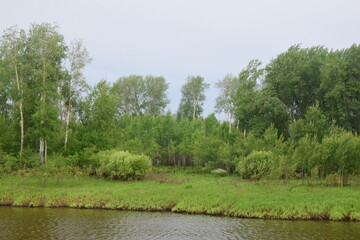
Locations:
column 257, row 110
column 46, row 121
column 141, row 95
column 340, row 153
column 206, row 151
column 315, row 125
column 230, row 86
column 84, row 158
column 193, row 97
column 228, row 157
column 304, row 156
column 122, row 165
column 12, row 163
column 8, row 163
column 155, row 95
column 257, row 165
column 340, row 87
column 294, row 77
column 99, row 119
column 44, row 104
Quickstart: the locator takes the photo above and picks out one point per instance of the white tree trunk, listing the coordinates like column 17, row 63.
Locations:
column 67, row 123
column 20, row 92
column 42, row 151
column 230, row 118
column 43, row 147
column 21, row 127
column 194, row 110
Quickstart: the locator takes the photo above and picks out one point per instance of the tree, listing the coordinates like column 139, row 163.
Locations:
column 256, row 109
column 131, row 90
column 339, row 153
column 155, row 95
column 340, row 87
column 193, row 97
column 99, row 121
column 13, row 44
column 314, row 125
column 294, row 77
column 141, row 95
column 74, row 84
column 6, row 121
column 4, row 91
column 46, row 51
column 168, row 132
column 226, row 101
column 229, row 86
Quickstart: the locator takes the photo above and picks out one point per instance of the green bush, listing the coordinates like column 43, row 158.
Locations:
column 305, row 155
column 29, row 159
column 9, row 163
column 256, row 165
column 86, row 157
column 339, row 154
column 122, row 165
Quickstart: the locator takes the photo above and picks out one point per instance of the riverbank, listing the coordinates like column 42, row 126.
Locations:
column 187, row 193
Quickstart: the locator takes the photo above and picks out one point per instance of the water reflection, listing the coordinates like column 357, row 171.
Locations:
column 40, row 223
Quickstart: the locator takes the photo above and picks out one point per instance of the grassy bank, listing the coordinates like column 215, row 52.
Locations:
column 189, row 193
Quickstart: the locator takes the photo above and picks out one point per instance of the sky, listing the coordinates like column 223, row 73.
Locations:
column 179, row 38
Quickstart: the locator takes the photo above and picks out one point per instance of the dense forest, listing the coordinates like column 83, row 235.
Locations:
column 296, row 117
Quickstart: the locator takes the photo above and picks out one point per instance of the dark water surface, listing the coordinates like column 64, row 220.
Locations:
column 65, row 223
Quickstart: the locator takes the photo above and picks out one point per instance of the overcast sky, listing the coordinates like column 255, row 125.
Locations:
column 178, row 38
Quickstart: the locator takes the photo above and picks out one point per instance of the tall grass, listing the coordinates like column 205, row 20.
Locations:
column 188, row 193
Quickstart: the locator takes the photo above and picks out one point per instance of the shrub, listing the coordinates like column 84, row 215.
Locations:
column 9, row 163
column 305, row 156
column 29, row 159
column 206, row 151
column 86, row 157
column 256, row 165
column 122, row 165
column 340, row 154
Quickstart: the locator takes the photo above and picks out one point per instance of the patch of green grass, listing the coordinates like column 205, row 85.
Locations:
column 183, row 191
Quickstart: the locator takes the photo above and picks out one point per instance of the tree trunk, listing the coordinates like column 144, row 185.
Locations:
column 45, row 154
column 194, row 110
column 43, row 148
column 230, row 122
column 20, row 92
column 21, row 128
column 42, row 151
column 67, row 123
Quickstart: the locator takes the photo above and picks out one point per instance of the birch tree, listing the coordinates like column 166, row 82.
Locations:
column 131, row 90
column 193, row 97
column 13, row 44
column 226, row 101
column 47, row 50
column 74, row 84
column 141, row 95
column 229, row 86
column 155, row 95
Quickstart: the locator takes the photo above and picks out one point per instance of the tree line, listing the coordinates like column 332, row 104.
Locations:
column 297, row 116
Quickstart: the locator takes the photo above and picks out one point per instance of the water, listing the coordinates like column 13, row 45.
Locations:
column 64, row 223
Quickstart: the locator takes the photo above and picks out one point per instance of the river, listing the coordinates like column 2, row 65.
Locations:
column 66, row 223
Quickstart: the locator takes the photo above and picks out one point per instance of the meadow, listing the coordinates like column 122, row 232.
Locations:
column 187, row 192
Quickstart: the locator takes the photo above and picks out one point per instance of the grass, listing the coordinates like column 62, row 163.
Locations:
column 187, row 193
